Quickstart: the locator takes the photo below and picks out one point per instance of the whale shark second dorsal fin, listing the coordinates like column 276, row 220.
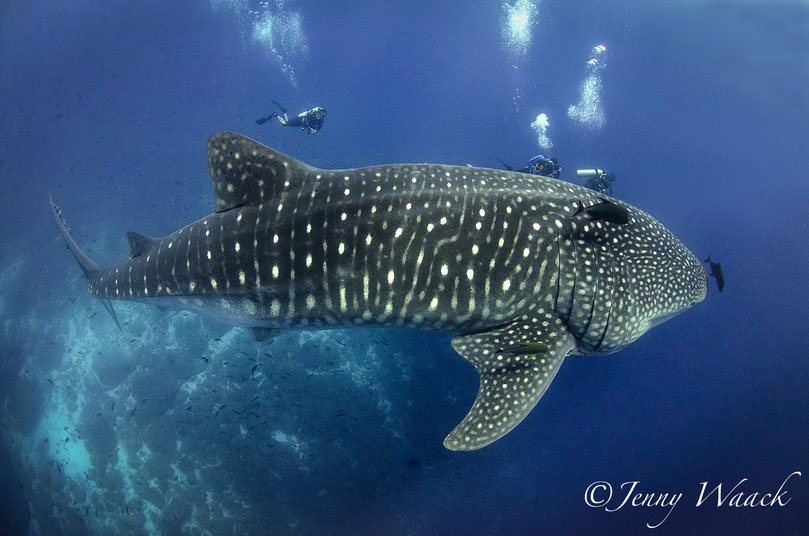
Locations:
column 246, row 173
column 139, row 244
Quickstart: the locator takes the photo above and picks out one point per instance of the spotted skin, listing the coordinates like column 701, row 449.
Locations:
column 501, row 258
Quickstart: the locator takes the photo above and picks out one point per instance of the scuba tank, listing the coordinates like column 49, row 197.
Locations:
column 587, row 173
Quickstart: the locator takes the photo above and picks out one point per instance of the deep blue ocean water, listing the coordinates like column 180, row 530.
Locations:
column 181, row 425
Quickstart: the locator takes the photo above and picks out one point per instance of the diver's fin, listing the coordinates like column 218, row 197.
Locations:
column 262, row 334
column 262, row 120
column 139, row 244
column 510, row 168
column 510, row 384
column 283, row 110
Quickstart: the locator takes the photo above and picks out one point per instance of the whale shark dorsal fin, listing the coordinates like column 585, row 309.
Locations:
column 139, row 244
column 246, row 173
column 511, row 382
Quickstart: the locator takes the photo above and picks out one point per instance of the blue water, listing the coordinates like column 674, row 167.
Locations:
column 186, row 426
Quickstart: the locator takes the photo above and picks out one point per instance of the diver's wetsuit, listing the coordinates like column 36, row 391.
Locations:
column 539, row 165
column 310, row 120
column 602, row 182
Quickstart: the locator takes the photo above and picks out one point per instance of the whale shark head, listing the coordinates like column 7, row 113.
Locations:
column 653, row 277
column 685, row 285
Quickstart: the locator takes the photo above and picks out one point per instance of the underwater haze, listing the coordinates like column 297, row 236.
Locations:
column 177, row 424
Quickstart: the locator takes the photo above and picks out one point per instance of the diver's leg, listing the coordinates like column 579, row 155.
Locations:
column 262, row 120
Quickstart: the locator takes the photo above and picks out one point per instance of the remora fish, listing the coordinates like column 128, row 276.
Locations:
column 717, row 273
column 501, row 258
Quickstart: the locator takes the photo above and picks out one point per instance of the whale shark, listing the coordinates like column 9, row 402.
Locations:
column 523, row 270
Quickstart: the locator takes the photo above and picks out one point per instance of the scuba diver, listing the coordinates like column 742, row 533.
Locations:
column 597, row 179
column 539, row 165
column 310, row 120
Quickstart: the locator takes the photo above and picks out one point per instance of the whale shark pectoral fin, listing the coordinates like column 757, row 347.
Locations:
column 510, row 384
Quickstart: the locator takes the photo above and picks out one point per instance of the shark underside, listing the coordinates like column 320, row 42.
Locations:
column 525, row 270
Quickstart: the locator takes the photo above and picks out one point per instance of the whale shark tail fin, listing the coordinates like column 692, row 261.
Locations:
column 90, row 268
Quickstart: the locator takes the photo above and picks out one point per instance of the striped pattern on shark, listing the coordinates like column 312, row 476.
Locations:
column 522, row 268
